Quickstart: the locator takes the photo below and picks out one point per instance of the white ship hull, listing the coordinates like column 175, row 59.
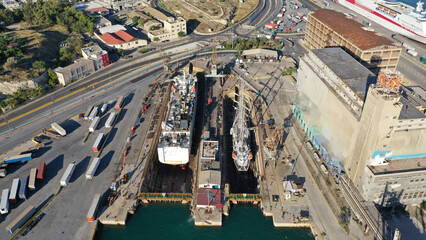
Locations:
column 397, row 23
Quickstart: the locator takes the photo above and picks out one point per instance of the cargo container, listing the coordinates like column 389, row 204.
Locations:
column 33, row 175
column 4, row 203
column 97, row 143
column 104, row 107
column 353, row 16
column 94, row 124
column 41, row 171
column 19, row 158
column 23, row 188
column 67, row 175
column 91, row 215
column 92, row 168
column 119, row 102
column 3, row 172
column 412, row 52
column 13, row 196
column 21, row 219
column 94, row 113
column 58, row 129
column 87, row 113
column 110, row 120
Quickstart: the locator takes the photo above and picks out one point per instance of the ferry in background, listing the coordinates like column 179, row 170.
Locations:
column 396, row 16
column 175, row 140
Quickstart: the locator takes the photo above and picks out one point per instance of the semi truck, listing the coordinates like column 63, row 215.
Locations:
column 119, row 102
column 92, row 168
column 408, row 46
column 4, row 203
column 94, row 113
column 13, row 196
column 21, row 219
column 91, row 215
column 19, row 158
column 87, row 112
column 41, row 171
column 67, row 175
column 58, row 129
column 110, row 120
column 23, row 188
column 31, row 182
column 94, row 124
column 96, row 146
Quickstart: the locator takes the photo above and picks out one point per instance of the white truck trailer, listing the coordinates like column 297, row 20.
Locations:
column 110, row 120
column 58, row 129
column 94, row 124
column 4, row 203
column 67, row 175
column 91, row 215
column 33, row 175
column 94, row 113
column 92, row 168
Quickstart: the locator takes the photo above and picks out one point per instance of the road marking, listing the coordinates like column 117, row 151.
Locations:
column 414, row 62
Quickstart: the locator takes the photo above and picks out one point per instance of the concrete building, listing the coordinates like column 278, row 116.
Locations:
column 352, row 122
column 122, row 40
column 327, row 28
column 119, row 4
column 75, row 71
column 99, row 56
column 260, row 53
column 101, row 22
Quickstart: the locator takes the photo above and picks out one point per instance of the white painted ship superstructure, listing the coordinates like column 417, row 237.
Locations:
column 396, row 16
column 174, row 145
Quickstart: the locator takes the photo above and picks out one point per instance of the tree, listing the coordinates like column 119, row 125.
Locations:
column 117, row 20
column 121, row 52
column 180, row 34
column 135, row 19
column 39, row 65
column 153, row 28
column 141, row 22
column 53, row 78
column 143, row 50
column 156, row 39
column 11, row 63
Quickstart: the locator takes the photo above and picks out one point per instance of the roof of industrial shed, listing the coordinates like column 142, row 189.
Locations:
column 349, row 70
column 350, row 29
column 119, row 37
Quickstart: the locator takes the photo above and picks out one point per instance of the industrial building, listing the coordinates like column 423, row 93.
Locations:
column 357, row 125
column 327, row 28
column 75, row 71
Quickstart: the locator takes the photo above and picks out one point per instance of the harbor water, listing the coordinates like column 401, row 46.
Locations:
column 174, row 221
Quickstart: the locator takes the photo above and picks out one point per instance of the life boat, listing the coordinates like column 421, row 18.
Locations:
column 234, row 155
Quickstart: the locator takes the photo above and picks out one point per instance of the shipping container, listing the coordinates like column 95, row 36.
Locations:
column 352, row 15
column 94, row 113
column 19, row 158
column 104, row 107
column 3, row 172
column 92, row 168
column 94, row 124
column 4, row 203
column 87, row 113
column 91, row 215
column 58, row 129
column 119, row 102
column 110, row 120
column 13, row 196
column 23, row 188
column 67, row 175
column 21, row 219
column 98, row 142
column 41, row 171
column 33, row 175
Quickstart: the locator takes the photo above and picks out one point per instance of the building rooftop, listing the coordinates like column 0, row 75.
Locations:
column 112, row 29
column 97, row 10
column 400, row 165
column 119, row 37
column 86, row 6
column 210, row 149
column 77, row 63
column 350, row 29
column 209, row 197
column 409, row 111
column 138, row 14
column 154, row 13
column 349, row 70
column 92, row 51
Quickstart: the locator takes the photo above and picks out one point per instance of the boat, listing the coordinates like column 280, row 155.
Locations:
column 240, row 136
column 175, row 141
column 396, row 16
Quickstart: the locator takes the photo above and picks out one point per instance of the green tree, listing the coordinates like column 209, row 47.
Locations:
column 135, row 19
column 143, row 50
column 156, row 39
column 39, row 65
column 121, row 52
column 53, row 78
column 141, row 22
column 180, row 34
column 11, row 63
column 153, row 28
column 117, row 20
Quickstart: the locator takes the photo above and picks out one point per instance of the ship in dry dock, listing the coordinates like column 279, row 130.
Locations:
column 176, row 138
